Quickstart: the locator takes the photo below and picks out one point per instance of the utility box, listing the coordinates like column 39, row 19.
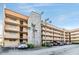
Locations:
column 34, row 31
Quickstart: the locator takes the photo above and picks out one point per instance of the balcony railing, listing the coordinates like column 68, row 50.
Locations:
column 15, row 28
column 11, row 35
column 12, row 21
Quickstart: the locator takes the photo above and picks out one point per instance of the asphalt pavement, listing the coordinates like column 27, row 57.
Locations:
column 55, row 50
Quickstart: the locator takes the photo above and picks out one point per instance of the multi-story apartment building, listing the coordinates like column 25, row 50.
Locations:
column 75, row 35
column 46, row 32
column 1, row 41
column 67, row 36
column 52, row 33
column 19, row 28
column 15, row 28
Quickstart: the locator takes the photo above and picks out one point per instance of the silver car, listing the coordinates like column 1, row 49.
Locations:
column 22, row 46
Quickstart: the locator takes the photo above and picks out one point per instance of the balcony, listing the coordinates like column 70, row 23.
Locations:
column 75, row 36
column 25, row 36
column 25, row 26
column 58, row 32
column 25, row 30
column 75, row 33
column 47, row 30
column 57, row 35
column 58, row 38
column 47, row 38
column 13, row 28
column 11, row 35
column 25, row 23
column 9, row 20
column 47, row 26
column 47, row 34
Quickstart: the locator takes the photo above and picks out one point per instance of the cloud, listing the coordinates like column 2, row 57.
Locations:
column 67, row 20
column 62, row 18
column 28, row 8
column 25, row 7
column 68, row 16
column 59, row 19
column 70, row 27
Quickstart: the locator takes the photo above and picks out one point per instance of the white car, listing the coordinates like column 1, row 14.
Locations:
column 22, row 46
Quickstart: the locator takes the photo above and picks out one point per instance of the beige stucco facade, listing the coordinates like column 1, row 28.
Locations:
column 15, row 28
column 75, row 35
column 52, row 33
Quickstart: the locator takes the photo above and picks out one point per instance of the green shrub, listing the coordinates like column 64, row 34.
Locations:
column 30, row 45
column 43, row 44
column 46, row 44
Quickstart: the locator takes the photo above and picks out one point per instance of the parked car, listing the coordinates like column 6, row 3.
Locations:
column 55, row 43
column 22, row 46
column 67, row 43
column 60, row 43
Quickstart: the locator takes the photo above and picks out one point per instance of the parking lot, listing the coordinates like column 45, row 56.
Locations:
column 55, row 50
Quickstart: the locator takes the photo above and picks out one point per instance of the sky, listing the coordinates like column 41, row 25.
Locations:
column 1, row 18
column 62, row 15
